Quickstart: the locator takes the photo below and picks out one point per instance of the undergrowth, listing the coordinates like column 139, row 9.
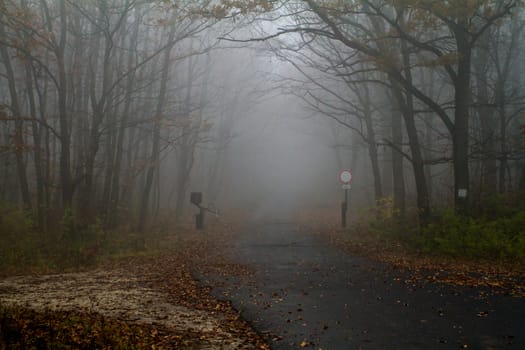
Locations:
column 69, row 245
column 475, row 237
column 495, row 230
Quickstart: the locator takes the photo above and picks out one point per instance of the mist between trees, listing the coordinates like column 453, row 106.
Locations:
column 117, row 109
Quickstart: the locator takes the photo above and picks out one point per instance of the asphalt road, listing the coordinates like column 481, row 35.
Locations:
column 309, row 295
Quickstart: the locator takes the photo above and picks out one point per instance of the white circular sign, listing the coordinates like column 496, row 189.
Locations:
column 345, row 176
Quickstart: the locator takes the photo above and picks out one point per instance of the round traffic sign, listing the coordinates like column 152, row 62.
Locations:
column 345, row 176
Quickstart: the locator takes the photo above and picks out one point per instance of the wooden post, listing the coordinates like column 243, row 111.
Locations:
column 196, row 198
column 199, row 219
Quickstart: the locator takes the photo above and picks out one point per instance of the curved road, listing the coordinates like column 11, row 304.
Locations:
column 305, row 294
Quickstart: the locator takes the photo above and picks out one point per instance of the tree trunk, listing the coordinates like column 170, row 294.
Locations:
column 117, row 163
column 155, row 149
column 398, row 175
column 37, row 153
column 64, row 122
column 407, row 109
column 364, row 98
column 485, row 114
column 99, row 107
column 354, row 164
column 45, row 151
column 460, row 135
column 185, row 162
column 19, row 124
column 522, row 181
column 373, row 154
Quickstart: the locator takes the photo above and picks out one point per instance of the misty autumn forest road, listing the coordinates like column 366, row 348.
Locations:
column 307, row 294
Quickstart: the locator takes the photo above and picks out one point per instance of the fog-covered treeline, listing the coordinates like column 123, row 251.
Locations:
column 102, row 100
column 113, row 109
column 434, row 85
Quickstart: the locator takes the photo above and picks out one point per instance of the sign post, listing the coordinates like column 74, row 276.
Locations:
column 345, row 176
column 196, row 199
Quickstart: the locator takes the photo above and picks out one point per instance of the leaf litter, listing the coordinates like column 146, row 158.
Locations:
column 158, row 292
column 493, row 277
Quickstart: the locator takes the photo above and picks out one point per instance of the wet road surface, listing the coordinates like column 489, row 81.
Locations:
column 309, row 295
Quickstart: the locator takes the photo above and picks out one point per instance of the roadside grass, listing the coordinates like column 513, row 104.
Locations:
column 495, row 231
column 75, row 247
column 485, row 249
column 479, row 238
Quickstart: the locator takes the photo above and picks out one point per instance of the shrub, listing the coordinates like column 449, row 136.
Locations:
column 485, row 238
column 385, row 223
column 495, row 230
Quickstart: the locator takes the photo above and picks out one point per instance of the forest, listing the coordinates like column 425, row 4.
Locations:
column 112, row 111
column 115, row 113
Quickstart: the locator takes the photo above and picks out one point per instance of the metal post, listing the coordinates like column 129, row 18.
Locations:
column 345, row 177
column 344, row 208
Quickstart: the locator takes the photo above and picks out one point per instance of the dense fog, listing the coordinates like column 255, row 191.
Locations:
column 120, row 109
